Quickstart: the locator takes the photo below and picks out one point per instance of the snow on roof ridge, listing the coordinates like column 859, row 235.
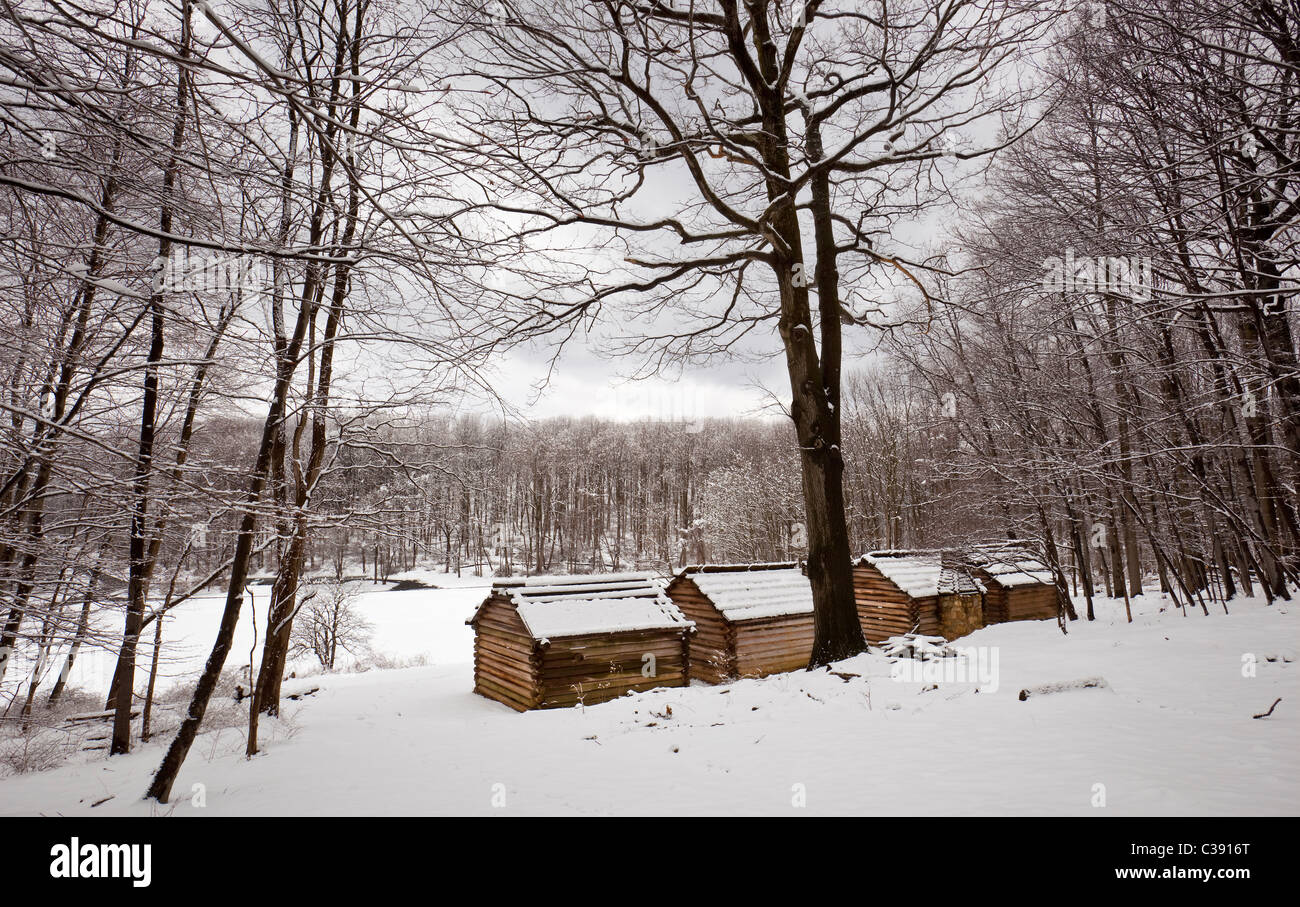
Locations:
column 922, row 573
column 575, row 579
column 738, row 567
column 577, row 616
column 1012, row 565
column 751, row 594
column 902, row 552
column 590, row 604
column 593, row 603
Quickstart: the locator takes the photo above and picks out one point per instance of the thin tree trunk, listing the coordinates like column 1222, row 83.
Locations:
column 138, row 580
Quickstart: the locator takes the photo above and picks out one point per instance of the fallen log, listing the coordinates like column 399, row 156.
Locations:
column 1087, row 683
column 97, row 716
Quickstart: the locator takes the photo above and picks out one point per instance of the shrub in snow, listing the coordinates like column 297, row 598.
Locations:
column 36, row 750
column 378, row 661
column 328, row 623
column 51, row 735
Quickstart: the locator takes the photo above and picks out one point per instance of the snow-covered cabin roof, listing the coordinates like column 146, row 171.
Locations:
column 1010, row 567
column 751, row 591
column 556, row 606
column 922, row 574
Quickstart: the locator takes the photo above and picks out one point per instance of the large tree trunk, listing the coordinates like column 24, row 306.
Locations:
column 836, row 631
column 815, row 390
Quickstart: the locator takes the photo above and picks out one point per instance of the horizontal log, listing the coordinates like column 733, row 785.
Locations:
column 505, row 668
column 520, row 700
column 793, row 644
column 767, row 669
column 505, row 648
column 504, row 678
column 615, row 648
column 630, row 670
column 593, row 694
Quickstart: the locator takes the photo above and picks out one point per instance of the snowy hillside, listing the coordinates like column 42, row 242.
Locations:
column 1171, row 733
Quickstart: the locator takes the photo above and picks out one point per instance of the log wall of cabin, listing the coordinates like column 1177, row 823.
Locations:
column 1031, row 602
column 600, row 667
column 712, row 647
column 995, row 602
column 506, row 663
column 884, row 610
column 772, row 645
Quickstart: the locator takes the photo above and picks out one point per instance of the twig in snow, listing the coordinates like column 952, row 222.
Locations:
column 1270, row 709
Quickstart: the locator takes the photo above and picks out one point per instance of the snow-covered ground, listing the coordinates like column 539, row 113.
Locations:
column 1171, row 733
column 409, row 626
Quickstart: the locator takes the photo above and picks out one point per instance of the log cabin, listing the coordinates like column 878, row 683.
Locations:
column 553, row 641
column 927, row 592
column 1019, row 585
column 750, row 619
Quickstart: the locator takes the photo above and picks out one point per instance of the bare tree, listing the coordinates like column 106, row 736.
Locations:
column 328, row 623
column 750, row 163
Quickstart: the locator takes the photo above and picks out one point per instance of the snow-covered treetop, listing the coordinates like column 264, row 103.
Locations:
column 752, row 591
